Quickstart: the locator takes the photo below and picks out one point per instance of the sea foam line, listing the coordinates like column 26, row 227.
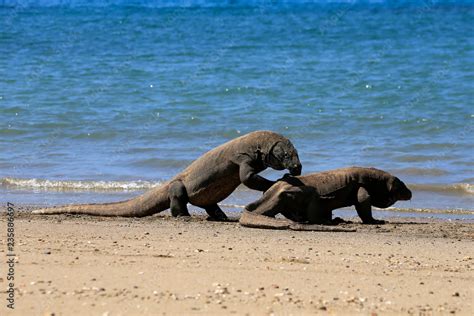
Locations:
column 76, row 185
column 456, row 188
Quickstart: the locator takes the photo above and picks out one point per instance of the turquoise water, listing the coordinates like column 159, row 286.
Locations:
column 100, row 102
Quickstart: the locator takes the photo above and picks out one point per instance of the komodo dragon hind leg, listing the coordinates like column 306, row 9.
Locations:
column 215, row 213
column 178, row 199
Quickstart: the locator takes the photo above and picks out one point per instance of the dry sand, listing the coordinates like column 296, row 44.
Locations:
column 81, row 265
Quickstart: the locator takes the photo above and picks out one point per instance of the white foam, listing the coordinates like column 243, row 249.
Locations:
column 77, row 185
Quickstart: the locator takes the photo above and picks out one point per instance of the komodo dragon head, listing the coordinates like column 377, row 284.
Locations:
column 390, row 191
column 283, row 155
column 398, row 190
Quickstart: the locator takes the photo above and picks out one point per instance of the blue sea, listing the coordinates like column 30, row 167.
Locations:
column 101, row 100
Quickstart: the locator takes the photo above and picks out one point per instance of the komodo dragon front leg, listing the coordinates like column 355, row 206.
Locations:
column 248, row 174
column 364, row 207
column 215, row 213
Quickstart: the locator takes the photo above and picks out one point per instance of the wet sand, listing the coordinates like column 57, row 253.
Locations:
column 82, row 265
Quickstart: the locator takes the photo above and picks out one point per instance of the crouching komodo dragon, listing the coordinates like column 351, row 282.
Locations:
column 312, row 198
column 207, row 181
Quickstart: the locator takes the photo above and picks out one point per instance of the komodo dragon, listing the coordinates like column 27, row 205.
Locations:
column 312, row 198
column 207, row 181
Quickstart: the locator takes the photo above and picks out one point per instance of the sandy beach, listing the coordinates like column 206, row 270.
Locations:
column 103, row 101
column 81, row 265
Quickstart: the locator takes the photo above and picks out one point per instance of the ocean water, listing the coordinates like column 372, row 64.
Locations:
column 101, row 100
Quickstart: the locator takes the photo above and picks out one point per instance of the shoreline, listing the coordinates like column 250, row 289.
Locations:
column 233, row 210
column 69, row 264
column 422, row 206
column 456, row 199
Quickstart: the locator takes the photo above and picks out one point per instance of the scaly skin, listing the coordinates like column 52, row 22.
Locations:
column 312, row 198
column 207, row 181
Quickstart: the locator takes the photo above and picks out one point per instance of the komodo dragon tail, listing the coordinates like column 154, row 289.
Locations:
column 151, row 202
column 248, row 219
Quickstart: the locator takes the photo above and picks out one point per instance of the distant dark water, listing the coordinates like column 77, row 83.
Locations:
column 123, row 97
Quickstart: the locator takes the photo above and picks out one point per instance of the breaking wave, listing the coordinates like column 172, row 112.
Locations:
column 452, row 189
column 76, row 185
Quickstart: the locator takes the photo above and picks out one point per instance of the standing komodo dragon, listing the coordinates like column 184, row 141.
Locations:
column 207, row 181
column 312, row 198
